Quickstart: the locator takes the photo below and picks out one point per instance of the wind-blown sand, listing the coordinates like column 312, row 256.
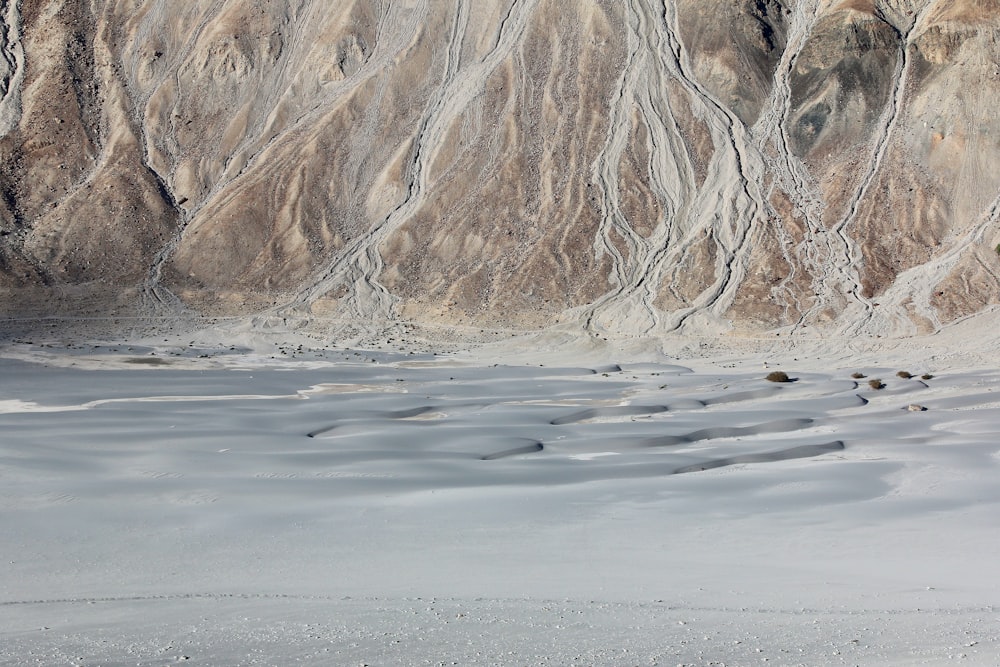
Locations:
column 340, row 507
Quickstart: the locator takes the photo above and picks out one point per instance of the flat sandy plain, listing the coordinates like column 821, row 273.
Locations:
column 275, row 505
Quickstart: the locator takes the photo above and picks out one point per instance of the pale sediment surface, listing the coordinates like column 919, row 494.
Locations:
column 339, row 507
column 564, row 242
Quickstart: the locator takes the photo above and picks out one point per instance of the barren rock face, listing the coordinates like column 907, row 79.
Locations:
column 734, row 48
column 623, row 167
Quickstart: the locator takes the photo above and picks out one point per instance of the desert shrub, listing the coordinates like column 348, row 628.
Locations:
column 876, row 383
column 926, row 376
column 857, row 376
column 906, row 375
column 778, row 376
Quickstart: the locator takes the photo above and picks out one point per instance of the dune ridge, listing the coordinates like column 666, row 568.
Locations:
column 228, row 505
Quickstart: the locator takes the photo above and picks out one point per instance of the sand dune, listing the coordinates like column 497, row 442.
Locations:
column 438, row 332
column 800, row 452
column 455, row 510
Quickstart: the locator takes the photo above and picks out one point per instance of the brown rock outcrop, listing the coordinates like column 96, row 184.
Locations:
column 630, row 168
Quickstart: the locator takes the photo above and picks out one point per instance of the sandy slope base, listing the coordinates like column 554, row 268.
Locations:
column 347, row 508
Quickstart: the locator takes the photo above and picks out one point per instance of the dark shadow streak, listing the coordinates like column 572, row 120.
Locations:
column 803, row 452
column 527, row 449
column 778, row 426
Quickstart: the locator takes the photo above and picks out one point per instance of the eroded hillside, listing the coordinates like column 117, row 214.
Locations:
column 629, row 167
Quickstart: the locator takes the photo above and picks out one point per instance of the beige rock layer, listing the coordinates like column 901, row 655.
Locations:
column 624, row 167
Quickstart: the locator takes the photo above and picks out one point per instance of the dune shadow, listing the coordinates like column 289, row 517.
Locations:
column 613, row 411
column 320, row 431
column 148, row 361
column 406, row 414
column 801, row 452
column 379, row 416
column 526, row 449
column 737, row 396
column 778, row 426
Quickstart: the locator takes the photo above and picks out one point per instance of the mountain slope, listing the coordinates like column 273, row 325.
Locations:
column 627, row 168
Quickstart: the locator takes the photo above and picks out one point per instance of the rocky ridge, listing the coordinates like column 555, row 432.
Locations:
column 626, row 168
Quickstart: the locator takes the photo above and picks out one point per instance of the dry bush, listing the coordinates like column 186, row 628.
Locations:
column 906, row 375
column 926, row 376
column 778, row 376
column 876, row 383
column 857, row 376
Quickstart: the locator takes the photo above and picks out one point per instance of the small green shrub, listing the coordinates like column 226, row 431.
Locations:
column 906, row 375
column 857, row 376
column 876, row 383
column 778, row 376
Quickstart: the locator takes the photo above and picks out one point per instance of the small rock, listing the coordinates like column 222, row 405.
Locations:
column 913, row 407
